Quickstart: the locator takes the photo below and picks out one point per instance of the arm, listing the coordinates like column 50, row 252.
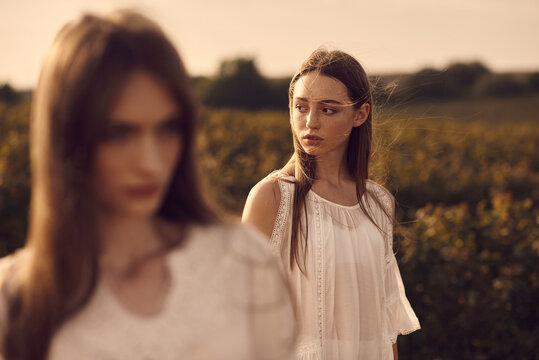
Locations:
column 262, row 205
column 395, row 352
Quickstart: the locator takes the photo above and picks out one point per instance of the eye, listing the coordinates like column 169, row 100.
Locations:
column 329, row 111
column 116, row 133
column 170, row 127
column 300, row 108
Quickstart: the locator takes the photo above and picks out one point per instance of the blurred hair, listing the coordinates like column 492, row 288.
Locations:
column 345, row 68
column 88, row 63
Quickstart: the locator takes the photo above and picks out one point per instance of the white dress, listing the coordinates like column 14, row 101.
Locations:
column 351, row 304
column 228, row 300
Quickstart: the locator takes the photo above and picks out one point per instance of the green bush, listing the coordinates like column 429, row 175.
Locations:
column 472, row 277
column 14, row 176
column 445, row 161
column 239, row 148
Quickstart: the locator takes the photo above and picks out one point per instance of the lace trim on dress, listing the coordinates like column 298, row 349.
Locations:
column 282, row 216
column 310, row 351
column 387, row 202
column 399, row 316
column 320, row 274
column 393, row 337
column 382, row 194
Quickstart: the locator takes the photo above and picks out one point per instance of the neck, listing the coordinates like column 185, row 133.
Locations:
column 331, row 168
column 124, row 239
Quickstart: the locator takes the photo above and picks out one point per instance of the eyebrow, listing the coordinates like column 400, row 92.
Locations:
column 326, row 101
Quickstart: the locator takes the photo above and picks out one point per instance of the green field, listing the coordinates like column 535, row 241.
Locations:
column 466, row 177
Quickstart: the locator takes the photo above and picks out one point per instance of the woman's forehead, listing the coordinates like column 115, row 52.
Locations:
column 320, row 88
column 143, row 98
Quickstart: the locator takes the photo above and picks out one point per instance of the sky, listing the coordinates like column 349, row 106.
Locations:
column 386, row 36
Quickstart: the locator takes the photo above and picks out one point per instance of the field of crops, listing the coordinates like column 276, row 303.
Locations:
column 465, row 174
column 466, row 177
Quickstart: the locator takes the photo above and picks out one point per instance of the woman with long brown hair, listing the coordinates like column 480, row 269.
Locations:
column 330, row 225
column 124, row 257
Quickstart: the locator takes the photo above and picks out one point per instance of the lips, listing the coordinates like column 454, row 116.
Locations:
column 311, row 139
column 143, row 191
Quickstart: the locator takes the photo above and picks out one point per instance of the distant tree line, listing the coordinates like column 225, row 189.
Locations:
column 8, row 94
column 458, row 80
column 238, row 84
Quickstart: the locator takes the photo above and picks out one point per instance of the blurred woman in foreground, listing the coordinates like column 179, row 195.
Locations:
column 331, row 226
column 124, row 258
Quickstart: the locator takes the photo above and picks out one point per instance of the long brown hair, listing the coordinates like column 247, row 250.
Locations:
column 345, row 68
column 89, row 61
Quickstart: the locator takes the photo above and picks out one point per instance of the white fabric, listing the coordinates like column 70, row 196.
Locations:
column 351, row 304
column 228, row 300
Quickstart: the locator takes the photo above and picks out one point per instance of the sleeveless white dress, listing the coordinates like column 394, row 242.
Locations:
column 351, row 304
column 227, row 300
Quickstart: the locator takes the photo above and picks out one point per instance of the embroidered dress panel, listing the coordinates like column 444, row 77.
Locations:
column 351, row 304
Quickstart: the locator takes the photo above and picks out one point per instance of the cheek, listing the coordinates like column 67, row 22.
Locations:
column 108, row 168
column 296, row 122
column 342, row 128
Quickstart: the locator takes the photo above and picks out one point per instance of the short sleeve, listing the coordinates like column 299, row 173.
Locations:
column 400, row 317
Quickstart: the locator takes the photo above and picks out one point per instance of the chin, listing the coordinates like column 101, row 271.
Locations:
column 142, row 213
column 314, row 151
column 144, row 209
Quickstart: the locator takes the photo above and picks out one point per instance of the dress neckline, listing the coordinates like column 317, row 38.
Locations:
column 347, row 207
column 282, row 176
column 171, row 260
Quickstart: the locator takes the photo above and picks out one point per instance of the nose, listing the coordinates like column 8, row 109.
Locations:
column 149, row 158
column 313, row 122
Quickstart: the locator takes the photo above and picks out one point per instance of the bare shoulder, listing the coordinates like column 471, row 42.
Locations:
column 262, row 204
column 9, row 262
column 6, row 263
column 8, row 266
column 267, row 188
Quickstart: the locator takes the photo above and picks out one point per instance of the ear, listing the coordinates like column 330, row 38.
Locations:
column 361, row 114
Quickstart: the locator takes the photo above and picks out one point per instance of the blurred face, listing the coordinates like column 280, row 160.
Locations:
column 323, row 115
column 139, row 150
